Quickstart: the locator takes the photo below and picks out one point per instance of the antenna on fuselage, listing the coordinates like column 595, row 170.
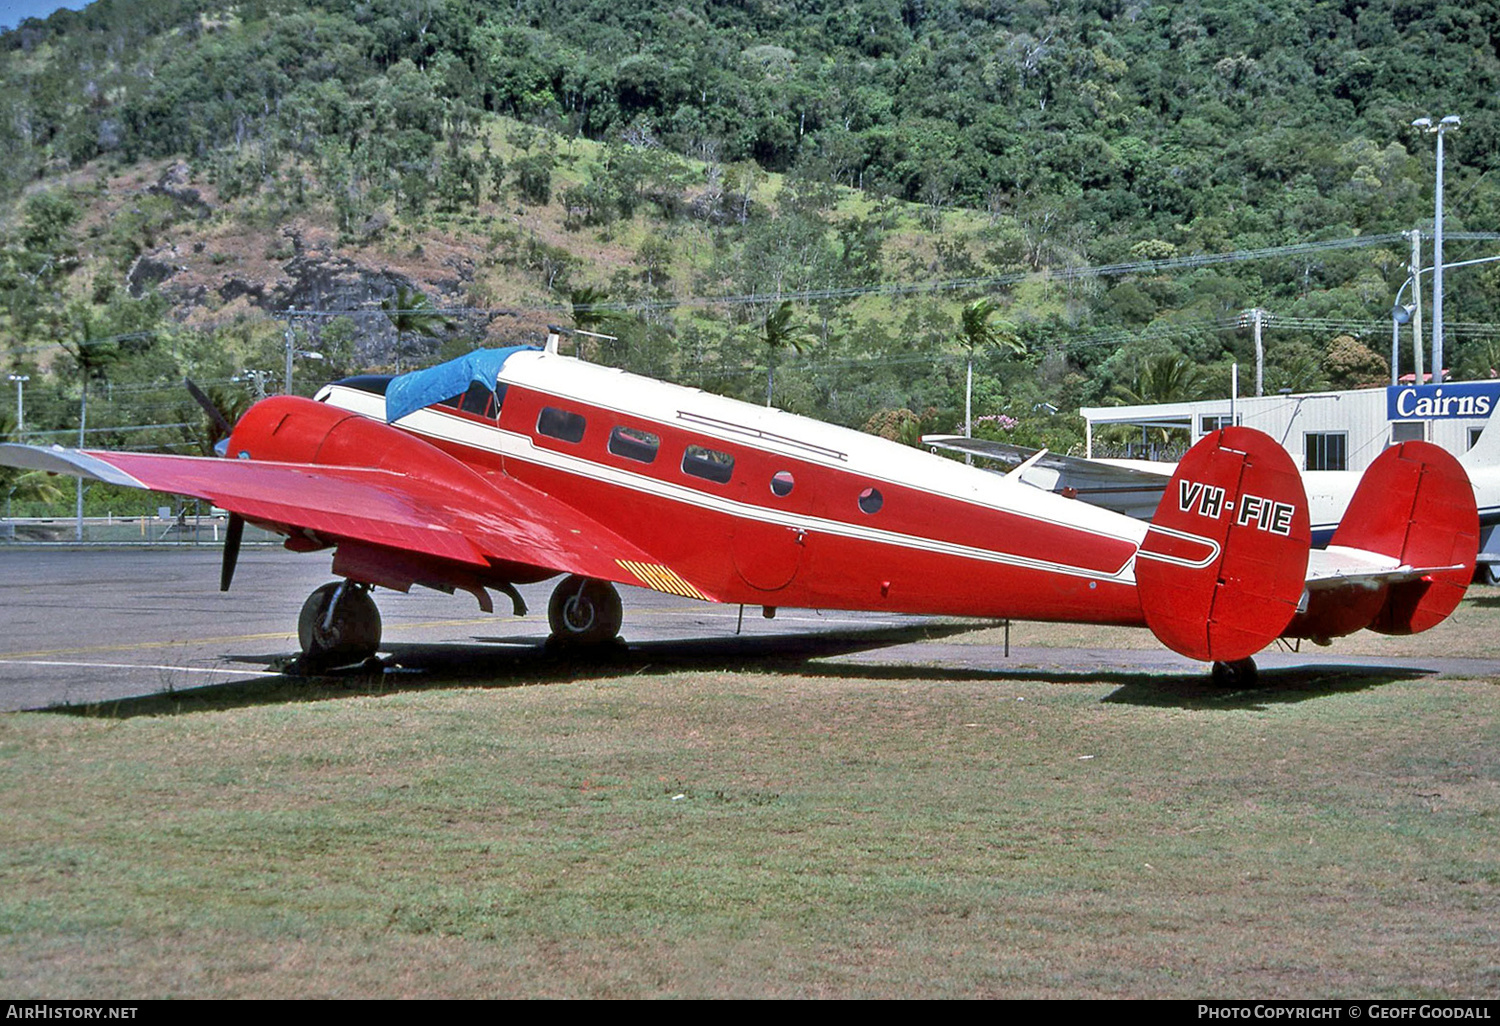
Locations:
column 555, row 334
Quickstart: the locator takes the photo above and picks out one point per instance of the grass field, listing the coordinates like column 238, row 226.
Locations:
column 796, row 828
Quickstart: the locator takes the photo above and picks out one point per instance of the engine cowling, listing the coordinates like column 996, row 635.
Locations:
column 290, row 429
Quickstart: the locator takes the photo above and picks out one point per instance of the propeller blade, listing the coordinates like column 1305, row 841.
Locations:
column 208, row 407
column 232, row 536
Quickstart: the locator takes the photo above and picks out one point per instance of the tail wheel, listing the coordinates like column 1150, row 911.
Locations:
column 1240, row 673
column 584, row 611
column 339, row 624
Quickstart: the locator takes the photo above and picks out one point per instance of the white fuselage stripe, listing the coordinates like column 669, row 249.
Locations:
column 429, row 423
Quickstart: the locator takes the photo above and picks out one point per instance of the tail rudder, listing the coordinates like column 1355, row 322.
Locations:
column 1223, row 564
column 1415, row 505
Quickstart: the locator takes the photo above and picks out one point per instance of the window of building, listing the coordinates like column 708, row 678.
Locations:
column 1326, row 450
column 1474, row 434
column 709, row 464
column 634, row 444
column 1209, row 423
column 563, row 425
column 1408, row 431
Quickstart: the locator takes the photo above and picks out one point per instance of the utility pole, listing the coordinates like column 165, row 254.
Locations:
column 20, row 380
column 1260, row 358
column 83, row 419
column 292, row 350
column 291, row 338
column 1257, row 318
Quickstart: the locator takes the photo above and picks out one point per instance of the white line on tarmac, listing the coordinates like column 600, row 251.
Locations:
column 137, row 666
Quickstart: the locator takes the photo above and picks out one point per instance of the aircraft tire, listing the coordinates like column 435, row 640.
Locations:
column 1240, row 673
column 584, row 612
column 350, row 635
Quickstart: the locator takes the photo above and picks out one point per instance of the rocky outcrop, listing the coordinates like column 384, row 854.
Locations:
column 319, row 283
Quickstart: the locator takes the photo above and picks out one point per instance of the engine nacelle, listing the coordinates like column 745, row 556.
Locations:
column 290, row 429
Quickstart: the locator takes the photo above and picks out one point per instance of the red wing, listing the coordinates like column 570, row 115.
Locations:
column 497, row 519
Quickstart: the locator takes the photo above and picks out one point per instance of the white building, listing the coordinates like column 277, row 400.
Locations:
column 1328, row 430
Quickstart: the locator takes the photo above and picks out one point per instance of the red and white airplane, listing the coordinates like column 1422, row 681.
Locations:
column 507, row 467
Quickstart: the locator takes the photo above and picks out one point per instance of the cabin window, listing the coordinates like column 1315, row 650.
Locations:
column 1326, row 450
column 782, row 483
column 709, row 464
column 1408, row 431
column 634, row 444
column 870, row 500
column 563, row 425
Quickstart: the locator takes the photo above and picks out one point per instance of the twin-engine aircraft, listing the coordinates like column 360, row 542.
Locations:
column 511, row 466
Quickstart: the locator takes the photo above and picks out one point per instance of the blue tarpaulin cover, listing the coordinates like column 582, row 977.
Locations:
column 409, row 393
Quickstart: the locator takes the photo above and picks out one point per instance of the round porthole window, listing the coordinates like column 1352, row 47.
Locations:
column 782, row 483
column 870, row 500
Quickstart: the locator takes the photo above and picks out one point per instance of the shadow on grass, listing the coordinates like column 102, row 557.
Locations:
column 1283, row 685
column 507, row 662
column 522, row 662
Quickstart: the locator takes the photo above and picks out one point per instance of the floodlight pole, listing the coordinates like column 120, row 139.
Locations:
column 1448, row 123
column 1416, row 303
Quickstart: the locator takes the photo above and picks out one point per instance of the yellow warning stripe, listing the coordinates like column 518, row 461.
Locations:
column 659, row 578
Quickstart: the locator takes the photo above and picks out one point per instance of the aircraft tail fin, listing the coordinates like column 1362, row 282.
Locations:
column 1415, row 505
column 1223, row 564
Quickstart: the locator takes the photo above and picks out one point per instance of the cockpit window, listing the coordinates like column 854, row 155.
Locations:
column 478, row 400
column 373, row 383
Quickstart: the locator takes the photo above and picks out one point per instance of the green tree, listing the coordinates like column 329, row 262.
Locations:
column 976, row 334
column 24, row 485
column 779, row 331
column 534, row 178
column 1161, row 377
column 413, row 316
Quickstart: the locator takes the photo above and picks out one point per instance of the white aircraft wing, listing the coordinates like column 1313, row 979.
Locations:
column 1131, row 487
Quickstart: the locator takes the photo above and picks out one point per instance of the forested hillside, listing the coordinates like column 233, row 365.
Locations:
column 730, row 188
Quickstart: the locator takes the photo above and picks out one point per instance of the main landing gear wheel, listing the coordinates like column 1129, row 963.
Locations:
column 584, row 612
column 339, row 625
column 1239, row 674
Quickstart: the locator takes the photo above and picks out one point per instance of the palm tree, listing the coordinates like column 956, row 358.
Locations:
column 26, row 484
column 1161, row 378
column 778, row 331
column 412, row 313
column 587, row 316
column 975, row 333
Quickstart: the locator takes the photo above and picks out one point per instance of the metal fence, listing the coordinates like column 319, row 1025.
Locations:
column 176, row 529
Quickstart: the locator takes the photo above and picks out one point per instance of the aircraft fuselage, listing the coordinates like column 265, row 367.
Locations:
column 754, row 505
